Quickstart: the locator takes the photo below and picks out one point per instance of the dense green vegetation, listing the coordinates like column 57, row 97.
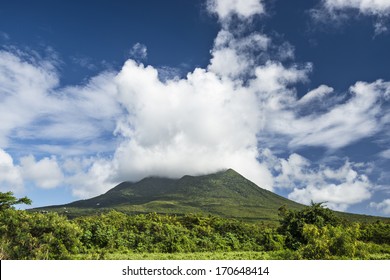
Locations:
column 313, row 232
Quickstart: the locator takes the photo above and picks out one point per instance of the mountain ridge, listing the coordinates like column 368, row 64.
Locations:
column 226, row 193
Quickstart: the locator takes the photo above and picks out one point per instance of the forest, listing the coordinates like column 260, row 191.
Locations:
column 314, row 232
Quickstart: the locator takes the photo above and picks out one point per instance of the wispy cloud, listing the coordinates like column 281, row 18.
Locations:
column 34, row 108
column 340, row 10
column 23, row 87
column 318, row 93
column 367, row 7
column 84, row 62
column 4, row 36
column 359, row 117
column 139, row 52
column 385, row 154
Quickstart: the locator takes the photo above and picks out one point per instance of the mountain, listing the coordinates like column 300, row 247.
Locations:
column 226, row 194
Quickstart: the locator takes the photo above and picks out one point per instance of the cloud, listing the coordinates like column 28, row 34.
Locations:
column 45, row 173
column 383, row 206
column 316, row 94
column 10, row 176
column 166, row 73
column 385, row 154
column 81, row 113
column 4, row 36
column 340, row 10
column 367, row 7
column 22, row 88
column 380, row 27
column 34, row 109
column 227, row 62
column 224, row 9
column 89, row 176
column 356, row 118
column 139, row 52
column 233, row 56
column 84, row 62
column 39, row 117
column 338, row 187
column 337, row 197
column 196, row 125
column 272, row 80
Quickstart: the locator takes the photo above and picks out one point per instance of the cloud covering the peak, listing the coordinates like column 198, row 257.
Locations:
column 196, row 125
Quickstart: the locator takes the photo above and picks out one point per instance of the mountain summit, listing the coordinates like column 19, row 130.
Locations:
column 225, row 193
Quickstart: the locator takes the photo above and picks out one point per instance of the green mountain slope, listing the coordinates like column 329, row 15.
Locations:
column 227, row 194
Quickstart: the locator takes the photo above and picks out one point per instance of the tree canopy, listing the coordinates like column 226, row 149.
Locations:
column 293, row 222
column 8, row 200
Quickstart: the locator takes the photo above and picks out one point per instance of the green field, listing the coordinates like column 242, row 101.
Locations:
column 245, row 255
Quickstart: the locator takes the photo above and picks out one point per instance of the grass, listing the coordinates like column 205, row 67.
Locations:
column 246, row 255
column 176, row 256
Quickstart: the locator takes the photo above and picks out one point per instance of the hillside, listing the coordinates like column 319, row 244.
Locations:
column 226, row 194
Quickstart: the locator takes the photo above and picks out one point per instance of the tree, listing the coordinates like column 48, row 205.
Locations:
column 32, row 235
column 332, row 242
column 7, row 200
column 293, row 222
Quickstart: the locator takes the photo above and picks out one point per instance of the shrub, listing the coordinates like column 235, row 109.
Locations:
column 37, row 236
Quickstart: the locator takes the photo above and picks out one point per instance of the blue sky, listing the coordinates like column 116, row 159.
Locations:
column 294, row 96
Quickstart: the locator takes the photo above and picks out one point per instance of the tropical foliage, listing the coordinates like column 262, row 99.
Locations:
column 311, row 233
column 7, row 200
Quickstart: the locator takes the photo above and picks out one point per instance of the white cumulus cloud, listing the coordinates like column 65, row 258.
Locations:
column 10, row 175
column 196, row 125
column 338, row 187
column 45, row 173
column 337, row 197
column 232, row 55
column 383, row 206
column 243, row 8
